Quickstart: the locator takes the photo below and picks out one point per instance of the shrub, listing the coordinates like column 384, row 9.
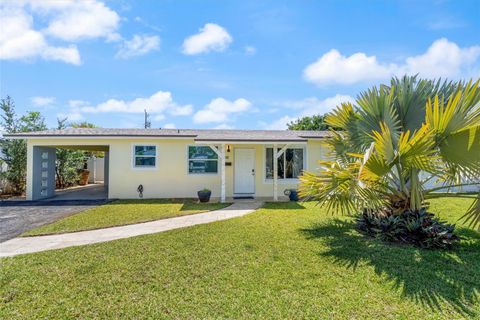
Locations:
column 419, row 228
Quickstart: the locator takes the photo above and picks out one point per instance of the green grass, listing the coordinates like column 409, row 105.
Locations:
column 122, row 212
column 286, row 260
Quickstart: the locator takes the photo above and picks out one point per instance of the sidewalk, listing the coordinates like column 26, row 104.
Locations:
column 18, row 246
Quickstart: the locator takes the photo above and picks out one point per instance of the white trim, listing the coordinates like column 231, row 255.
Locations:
column 99, row 137
column 282, row 180
column 202, row 173
column 216, row 150
column 232, row 142
column 275, row 171
column 223, row 195
column 235, row 194
column 133, row 156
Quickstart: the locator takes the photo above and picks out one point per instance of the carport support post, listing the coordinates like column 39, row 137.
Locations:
column 221, row 156
column 275, row 173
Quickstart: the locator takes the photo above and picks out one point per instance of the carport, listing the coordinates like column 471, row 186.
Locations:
column 41, row 174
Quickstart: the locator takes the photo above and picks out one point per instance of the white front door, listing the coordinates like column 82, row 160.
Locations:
column 244, row 168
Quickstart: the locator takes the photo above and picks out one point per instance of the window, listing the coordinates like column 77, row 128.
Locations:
column 202, row 159
column 290, row 163
column 144, row 156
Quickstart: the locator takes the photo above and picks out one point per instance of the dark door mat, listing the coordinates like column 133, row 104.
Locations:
column 243, row 197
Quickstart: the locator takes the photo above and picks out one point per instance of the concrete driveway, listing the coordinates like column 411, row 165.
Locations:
column 17, row 217
column 88, row 192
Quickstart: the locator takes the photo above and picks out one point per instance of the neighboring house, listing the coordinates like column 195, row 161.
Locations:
column 171, row 163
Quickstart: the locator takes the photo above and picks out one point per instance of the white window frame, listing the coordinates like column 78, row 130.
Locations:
column 201, row 173
column 283, row 180
column 134, row 156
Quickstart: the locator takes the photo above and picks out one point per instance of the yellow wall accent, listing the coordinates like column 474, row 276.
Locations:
column 170, row 179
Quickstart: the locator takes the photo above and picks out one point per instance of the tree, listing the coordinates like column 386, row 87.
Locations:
column 316, row 122
column 14, row 152
column 394, row 136
column 68, row 162
column 82, row 124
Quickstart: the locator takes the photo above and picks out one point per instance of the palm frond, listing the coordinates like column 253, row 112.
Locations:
column 337, row 188
column 417, row 151
column 345, row 117
column 472, row 216
column 411, row 95
column 460, row 112
column 461, row 153
column 376, row 108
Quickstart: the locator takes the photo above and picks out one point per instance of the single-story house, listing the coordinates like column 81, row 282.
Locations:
column 172, row 163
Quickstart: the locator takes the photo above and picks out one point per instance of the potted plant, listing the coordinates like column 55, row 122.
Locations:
column 204, row 195
column 292, row 194
column 83, row 174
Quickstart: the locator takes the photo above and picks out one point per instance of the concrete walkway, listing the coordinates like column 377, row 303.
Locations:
column 18, row 246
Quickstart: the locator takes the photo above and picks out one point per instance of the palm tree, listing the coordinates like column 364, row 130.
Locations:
column 394, row 142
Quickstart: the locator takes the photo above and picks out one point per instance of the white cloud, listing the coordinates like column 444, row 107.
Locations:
column 74, row 112
column 81, row 19
column 28, row 27
column 442, row 59
column 314, row 106
column 139, row 45
column 159, row 103
column 42, row 101
column 170, row 126
column 211, row 37
column 250, row 51
column 219, row 110
column 18, row 39
column 279, row 124
column 306, row 107
column 334, row 68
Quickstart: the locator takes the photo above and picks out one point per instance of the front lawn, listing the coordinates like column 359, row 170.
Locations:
column 122, row 212
column 284, row 261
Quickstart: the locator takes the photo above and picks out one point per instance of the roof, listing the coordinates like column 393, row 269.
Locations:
column 195, row 134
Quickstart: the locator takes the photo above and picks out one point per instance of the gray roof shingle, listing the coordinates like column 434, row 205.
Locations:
column 196, row 134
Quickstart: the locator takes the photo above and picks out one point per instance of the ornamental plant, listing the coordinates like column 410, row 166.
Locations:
column 398, row 146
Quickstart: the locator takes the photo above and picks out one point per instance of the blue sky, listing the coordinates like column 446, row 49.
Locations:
column 222, row 64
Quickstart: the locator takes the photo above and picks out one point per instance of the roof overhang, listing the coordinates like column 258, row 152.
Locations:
column 17, row 136
column 209, row 142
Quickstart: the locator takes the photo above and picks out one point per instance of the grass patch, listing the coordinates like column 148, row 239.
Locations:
column 286, row 260
column 123, row 212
